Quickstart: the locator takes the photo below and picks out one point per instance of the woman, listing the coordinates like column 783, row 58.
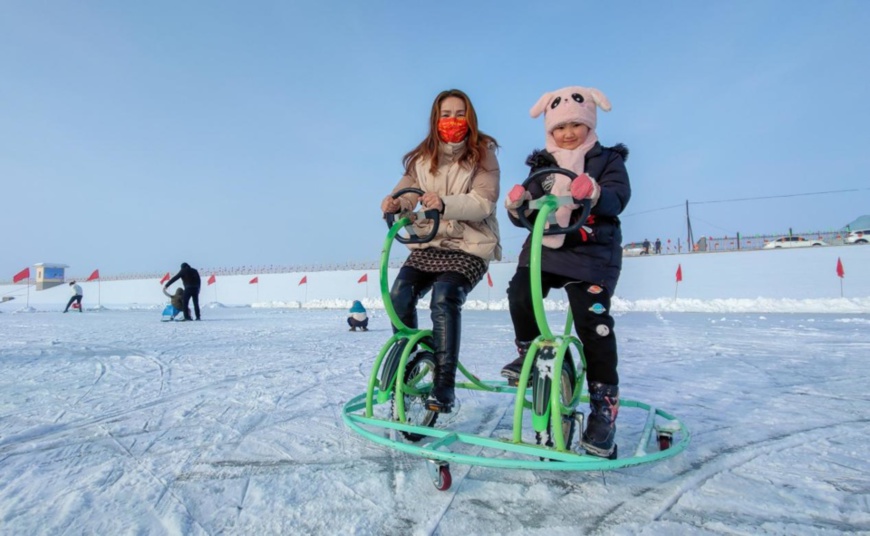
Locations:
column 456, row 168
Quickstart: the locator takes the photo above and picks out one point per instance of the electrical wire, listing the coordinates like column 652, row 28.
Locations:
column 738, row 199
column 775, row 196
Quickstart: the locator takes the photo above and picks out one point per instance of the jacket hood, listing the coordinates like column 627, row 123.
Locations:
column 542, row 158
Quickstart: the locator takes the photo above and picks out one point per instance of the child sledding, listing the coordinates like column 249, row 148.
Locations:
column 176, row 305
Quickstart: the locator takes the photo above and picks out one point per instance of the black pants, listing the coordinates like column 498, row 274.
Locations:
column 354, row 323
column 192, row 292
column 449, row 290
column 421, row 282
column 590, row 305
column 76, row 298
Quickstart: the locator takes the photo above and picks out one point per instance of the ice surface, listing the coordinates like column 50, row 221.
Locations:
column 116, row 423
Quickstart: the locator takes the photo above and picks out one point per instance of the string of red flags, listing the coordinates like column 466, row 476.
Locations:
column 23, row 274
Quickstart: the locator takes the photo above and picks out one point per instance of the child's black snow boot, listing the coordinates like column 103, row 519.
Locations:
column 598, row 439
column 512, row 370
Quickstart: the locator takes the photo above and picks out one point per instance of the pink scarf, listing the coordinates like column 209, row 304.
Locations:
column 575, row 160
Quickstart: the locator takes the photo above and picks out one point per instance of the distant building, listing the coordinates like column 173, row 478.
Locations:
column 49, row 275
column 863, row 222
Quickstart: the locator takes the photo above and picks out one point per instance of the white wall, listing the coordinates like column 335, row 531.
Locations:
column 779, row 274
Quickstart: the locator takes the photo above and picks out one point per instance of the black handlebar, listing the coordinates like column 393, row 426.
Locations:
column 431, row 214
column 554, row 229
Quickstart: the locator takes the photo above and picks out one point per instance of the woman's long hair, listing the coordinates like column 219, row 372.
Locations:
column 428, row 149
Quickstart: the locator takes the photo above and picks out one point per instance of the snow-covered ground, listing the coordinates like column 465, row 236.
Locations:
column 112, row 422
column 116, row 423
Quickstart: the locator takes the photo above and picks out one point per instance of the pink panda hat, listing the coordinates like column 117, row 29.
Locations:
column 572, row 104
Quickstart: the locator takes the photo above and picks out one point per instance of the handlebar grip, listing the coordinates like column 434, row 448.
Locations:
column 431, row 214
column 585, row 204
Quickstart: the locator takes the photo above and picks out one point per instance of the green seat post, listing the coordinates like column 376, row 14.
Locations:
column 545, row 206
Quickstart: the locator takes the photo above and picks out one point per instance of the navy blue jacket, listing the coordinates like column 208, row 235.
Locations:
column 596, row 256
column 189, row 276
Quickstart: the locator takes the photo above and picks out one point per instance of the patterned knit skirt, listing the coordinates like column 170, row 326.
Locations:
column 449, row 260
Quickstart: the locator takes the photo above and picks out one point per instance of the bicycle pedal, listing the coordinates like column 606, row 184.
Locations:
column 438, row 408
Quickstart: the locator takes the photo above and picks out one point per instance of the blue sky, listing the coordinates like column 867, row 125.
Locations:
column 135, row 136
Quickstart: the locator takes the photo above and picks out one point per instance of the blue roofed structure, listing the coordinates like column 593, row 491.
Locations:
column 862, row 222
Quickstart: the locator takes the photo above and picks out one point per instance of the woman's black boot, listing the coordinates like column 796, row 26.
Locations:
column 446, row 307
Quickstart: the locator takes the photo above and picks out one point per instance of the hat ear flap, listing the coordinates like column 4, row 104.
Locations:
column 600, row 99
column 541, row 106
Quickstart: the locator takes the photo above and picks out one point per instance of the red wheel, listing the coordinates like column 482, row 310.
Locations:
column 665, row 441
column 444, row 480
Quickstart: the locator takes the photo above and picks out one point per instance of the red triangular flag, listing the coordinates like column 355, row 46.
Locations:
column 303, row 281
column 363, row 279
column 679, row 273
column 23, row 274
column 840, row 272
column 254, row 281
column 95, row 275
column 165, row 278
column 488, row 279
column 212, row 279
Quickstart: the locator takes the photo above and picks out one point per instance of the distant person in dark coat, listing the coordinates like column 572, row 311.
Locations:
column 658, row 246
column 190, row 278
column 76, row 296
column 357, row 317
column 646, row 246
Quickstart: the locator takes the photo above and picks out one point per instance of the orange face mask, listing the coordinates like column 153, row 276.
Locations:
column 452, row 129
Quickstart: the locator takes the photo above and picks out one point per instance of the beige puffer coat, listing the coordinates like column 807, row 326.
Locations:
column 470, row 198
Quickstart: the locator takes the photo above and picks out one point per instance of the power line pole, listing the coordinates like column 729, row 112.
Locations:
column 689, row 236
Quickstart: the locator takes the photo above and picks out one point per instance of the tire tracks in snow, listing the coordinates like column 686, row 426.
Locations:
column 652, row 504
column 9, row 443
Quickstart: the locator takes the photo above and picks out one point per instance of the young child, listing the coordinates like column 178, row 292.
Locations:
column 357, row 317
column 587, row 263
column 177, row 300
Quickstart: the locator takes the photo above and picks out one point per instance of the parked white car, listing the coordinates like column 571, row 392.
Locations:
column 858, row 237
column 633, row 249
column 793, row 242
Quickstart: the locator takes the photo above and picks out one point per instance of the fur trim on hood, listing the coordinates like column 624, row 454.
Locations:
column 621, row 149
